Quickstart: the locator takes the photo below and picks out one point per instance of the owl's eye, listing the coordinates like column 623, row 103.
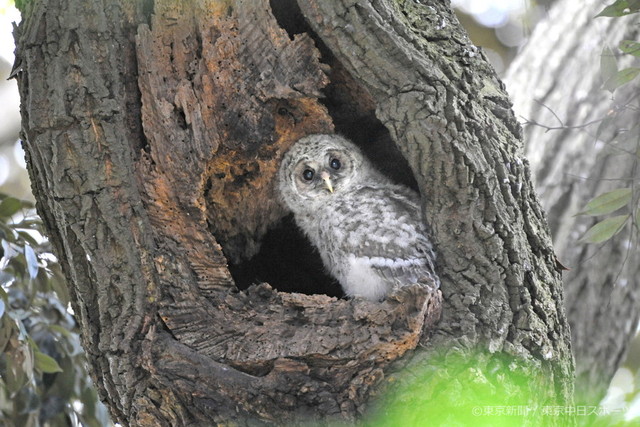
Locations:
column 307, row 174
column 335, row 164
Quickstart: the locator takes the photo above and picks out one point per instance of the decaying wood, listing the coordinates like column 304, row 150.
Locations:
column 216, row 126
column 139, row 188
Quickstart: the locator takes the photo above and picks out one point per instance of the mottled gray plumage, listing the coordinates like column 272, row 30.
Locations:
column 367, row 229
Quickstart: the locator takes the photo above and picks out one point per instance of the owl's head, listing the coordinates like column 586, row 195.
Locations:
column 318, row 167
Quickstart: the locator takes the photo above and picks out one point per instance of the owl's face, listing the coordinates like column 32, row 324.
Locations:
column 319, row 167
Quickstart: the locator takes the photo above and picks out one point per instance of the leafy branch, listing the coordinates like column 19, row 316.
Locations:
column 43, row 376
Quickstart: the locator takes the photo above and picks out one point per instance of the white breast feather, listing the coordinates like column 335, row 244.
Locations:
column 361, row 280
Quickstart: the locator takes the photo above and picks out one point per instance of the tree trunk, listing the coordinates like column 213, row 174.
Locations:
column 153, row 131
column 556, row 82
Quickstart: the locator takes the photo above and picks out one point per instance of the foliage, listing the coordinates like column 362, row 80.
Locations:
column 43, row 376
column 459, row 393
column 480, row 389
column 612, row 77
column 621, row 8
column 625, row 141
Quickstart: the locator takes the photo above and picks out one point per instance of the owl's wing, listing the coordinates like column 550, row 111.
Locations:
column 415, row 264
column 392, row 243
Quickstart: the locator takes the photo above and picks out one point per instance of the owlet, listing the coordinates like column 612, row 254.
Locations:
column 367, row 229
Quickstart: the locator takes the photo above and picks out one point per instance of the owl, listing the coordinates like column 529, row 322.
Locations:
column 367, row 229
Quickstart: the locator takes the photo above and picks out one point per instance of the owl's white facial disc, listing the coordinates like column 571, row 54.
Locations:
column 319, row 167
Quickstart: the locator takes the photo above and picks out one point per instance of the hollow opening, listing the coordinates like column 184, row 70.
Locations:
column 286, row 259
column 288, row 262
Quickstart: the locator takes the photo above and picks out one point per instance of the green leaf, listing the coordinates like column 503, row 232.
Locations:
column 608, row 202
column 28, row 238
column 631, row 47
column 46, row 363
column 608, row 65
column 59, row 286
column 30, row 223
column 604, row 230
column 6, row 233
column 620, row 8
column 9, row 206
column 620, row 78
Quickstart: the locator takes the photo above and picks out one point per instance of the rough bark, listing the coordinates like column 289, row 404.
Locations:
column 556, row 82
column 152, row 142
column 451, row 118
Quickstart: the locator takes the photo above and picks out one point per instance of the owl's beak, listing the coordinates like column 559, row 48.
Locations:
column 327, row 180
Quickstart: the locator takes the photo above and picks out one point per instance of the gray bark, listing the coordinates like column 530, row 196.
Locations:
column 153, row 140
column 556, row 82
column 450, row 116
